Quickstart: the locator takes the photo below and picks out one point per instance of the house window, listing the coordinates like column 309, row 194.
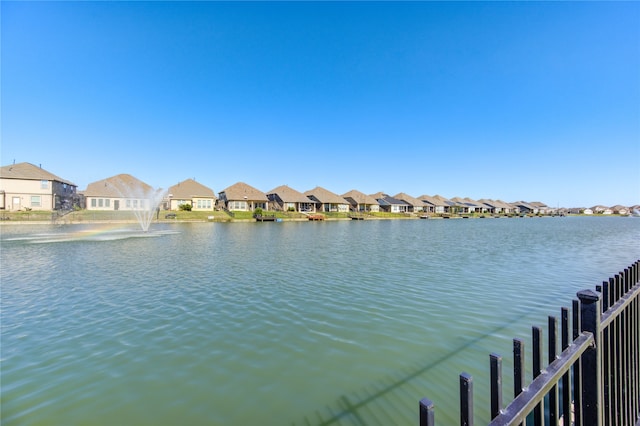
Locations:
column 100, row 202
column 135, row 204
column 44, row 184
column 35, row 201
column 93, row 202
column 107, row 202
column 128, row 204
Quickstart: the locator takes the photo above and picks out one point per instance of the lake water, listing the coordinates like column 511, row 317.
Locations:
column 346, row 322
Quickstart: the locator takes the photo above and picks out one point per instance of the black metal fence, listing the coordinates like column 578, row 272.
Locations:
column 595, row 380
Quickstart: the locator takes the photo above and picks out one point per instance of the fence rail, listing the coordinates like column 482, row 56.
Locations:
column 595, row 380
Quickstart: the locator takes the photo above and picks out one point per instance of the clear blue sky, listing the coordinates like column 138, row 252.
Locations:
column 535, row 101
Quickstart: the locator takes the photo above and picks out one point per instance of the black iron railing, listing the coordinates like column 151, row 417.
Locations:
column 595, row 380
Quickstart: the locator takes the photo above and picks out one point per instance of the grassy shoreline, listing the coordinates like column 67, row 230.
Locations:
column 91, row 216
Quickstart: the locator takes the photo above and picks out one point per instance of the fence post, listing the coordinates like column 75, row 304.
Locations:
column 495, row 362
column 590, row 314
column 466, row 400
column 427, row 412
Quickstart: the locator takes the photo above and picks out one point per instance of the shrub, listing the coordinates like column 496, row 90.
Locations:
column 258, row 212
column 185, row 207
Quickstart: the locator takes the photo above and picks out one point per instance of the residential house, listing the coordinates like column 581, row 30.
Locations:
column 496, row 206
column 463, row 206
column 621, row 210
column 541, row 207
column 327, row 201
column 389, row 204
column 284, row 198
column 121, row 192
column 242, row 197
column 432, row 204
column 30, row 187
column 415, row 205
column 475, row 206
column 601, row 210
column 199, row 196
column 524, row 208
column 449, row 206
column 361, row 202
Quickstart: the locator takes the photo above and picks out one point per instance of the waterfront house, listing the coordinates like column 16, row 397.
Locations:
column 327, row 201
column 242, row 197
column 432, row 204
column 389, row 204
column 462, row 206
column 475, row 206
column 361, row 202
column 30, row 187
column 524, row 208
column 492, row 206
column 496, row 206
column 449, row 206
column 621, row 210
column 601, row 210
column 415, row 205
column 542, row 208
column 119, row 192
column 284, row 198
column 199, row 196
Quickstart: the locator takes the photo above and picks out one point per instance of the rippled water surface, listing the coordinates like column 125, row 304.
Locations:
column 281, row 323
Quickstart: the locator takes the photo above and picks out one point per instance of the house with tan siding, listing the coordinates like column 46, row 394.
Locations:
column 27, row 186
column 432, row 204
column 415, row 205
column 199, row 196
column 327, row 201
column 361, row 202
column 242, row 197
column 121, row 192
column 284, row 198
column 389, row 204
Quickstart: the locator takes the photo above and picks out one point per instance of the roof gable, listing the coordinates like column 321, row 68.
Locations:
column 190, row 188
column 324, row 196
column 359, row 197
column 118, row 186
column 408, row 199
column 28, row 171
column 242, row 191
column 289, row 195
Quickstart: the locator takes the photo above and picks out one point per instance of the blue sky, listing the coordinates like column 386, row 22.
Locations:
column 536, row 101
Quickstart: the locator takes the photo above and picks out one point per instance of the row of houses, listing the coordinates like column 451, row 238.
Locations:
column 25, row 186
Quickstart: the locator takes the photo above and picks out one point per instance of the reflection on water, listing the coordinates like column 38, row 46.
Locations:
column 91, row 233
column 281, row 323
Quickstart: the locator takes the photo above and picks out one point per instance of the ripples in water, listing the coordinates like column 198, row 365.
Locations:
column 307, row 323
